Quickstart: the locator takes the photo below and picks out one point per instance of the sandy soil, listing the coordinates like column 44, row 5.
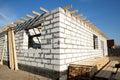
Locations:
column 7, row 74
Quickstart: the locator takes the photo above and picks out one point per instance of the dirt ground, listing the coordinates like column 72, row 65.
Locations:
column 7, row 74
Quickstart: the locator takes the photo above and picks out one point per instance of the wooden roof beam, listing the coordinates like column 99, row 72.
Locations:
column 67, row 7
column 36, row 13
column 44, row 10
column 24, row 18
column 29, row 16
column 73, row 12
column 20, row 21
column 82, row 19
column 79, row 15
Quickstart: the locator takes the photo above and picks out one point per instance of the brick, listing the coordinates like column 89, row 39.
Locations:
column 56, row 35
column 60, row 67
column 62, row 45
column 46, row 61
column 43, row 32
column 56, row 15
column 55, row 51
column 48, row 36
column 69, row 55
column 67, row 31
column 41, row 65
column 56, row 67
column 63, row 67
column 55, row 62
column 49, row 56
column 61, row 29
column 46, row 51
column 49, row 17
column 67, row 41
column 55, row 30
column 56, row 46
column 62, row 50
column 56, row 24
column 55, row 20
column 44, row 42
column 56, row 40
column 46, row 22
column 63, row 35
column 49, row 66
column 68, row 60
column 33, row 63
column 49, row 26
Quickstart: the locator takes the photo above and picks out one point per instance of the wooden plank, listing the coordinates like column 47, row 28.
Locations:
column 44, row 10
column 67, row 7
column 106, row 72
column 36, row 13
column 3, row 49
column 114, row 71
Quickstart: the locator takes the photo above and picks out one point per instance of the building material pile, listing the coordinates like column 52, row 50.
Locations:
column 87, row 68
column 107, row 72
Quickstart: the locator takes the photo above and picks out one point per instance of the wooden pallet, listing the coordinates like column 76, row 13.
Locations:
column 106, row 72
column 87, row 68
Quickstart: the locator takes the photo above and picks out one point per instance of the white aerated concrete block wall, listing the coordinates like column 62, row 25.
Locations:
column 2, row 39
column 64, row 40
column 76, row 41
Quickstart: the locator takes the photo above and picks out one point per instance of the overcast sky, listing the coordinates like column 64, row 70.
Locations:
column 105, row 14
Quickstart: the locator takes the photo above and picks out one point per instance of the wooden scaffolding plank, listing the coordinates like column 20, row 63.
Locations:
column 3, row 49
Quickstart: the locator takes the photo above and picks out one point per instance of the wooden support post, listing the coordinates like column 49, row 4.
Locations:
column 29, row 16
column 10, row 51
column 36, row 13
column 3, row 50
column 44, row 10
column 14, row 50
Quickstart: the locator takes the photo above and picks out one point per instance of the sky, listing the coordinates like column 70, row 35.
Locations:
column 104, row 14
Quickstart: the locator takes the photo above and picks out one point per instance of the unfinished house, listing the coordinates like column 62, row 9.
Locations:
column 47, row 43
